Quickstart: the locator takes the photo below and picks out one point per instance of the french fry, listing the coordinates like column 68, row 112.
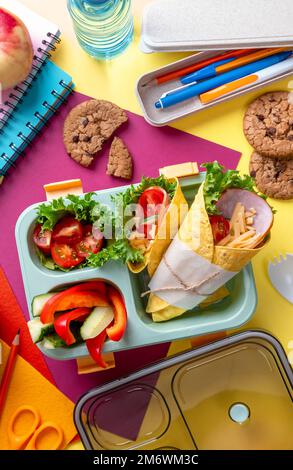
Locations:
column 225, row 240
column 235, row 214
column 241, row 238
column 241, row 219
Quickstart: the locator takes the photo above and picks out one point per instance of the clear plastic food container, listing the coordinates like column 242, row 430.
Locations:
column 235, row 393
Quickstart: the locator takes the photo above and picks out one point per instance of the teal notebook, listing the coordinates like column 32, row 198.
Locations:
column 42, row 99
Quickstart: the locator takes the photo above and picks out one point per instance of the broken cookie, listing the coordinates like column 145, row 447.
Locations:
column 88, row 126
column 120, row 161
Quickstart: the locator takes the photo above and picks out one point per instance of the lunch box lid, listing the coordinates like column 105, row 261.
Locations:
column 189, row 25
column 235, row 393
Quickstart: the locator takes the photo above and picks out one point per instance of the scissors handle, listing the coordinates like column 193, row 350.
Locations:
column 19, row 439
column 41, row 435
column 25, row 431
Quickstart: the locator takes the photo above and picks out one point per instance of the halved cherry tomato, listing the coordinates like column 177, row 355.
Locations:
column 42, row 239
column 91, row 242
column 153, row 199
column 68, row 230
column 65, row 255
column 87, row 230
column 220, row 227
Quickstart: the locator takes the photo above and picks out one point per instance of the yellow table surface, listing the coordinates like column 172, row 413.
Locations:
column 116, row 81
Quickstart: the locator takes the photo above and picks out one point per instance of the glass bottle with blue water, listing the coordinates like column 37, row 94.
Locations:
column 104, row 28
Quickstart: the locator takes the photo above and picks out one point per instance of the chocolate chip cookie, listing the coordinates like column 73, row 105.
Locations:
column 268, row 124
column 273, row 176
column 88, row 126
column 120, row 161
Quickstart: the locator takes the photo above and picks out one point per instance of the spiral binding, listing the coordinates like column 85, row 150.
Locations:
column 16, row 150
column 16, row 98
column 53, row 36
column 5, row 112
column 7, row 159
column 41, row 118
column 32, row 128
column 25, row 139
column 50, row 107
column 19, row 90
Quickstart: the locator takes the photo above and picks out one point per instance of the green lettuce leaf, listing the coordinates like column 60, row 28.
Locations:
column 132, row 194
column 120, row 250
column 84, row 208
column 218, row 180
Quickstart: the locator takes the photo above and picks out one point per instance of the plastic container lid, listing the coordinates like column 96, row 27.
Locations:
column 188, row 25
column 232, row 394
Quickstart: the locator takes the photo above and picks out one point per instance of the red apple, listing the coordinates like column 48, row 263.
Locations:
column 16, row 50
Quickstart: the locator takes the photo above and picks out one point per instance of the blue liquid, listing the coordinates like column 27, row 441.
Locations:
column 104, row 28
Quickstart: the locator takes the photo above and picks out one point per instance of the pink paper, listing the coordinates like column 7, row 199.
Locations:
column 47, row 162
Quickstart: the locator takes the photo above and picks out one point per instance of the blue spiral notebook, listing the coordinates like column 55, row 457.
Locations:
column 47, row 92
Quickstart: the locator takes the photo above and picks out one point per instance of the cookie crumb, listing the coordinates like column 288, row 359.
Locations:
column 120, row 161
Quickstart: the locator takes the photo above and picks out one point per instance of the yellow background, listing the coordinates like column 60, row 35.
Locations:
column 116, row 81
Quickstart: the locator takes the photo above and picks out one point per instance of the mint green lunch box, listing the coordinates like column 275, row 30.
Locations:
column 231, row 312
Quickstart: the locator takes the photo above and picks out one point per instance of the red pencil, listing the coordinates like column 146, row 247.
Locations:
column 9, row 370
column 203, row 63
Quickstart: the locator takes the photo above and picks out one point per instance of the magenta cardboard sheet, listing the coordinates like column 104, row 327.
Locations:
column 46, row 162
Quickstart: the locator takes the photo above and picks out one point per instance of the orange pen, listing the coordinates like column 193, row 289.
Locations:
column 245, row 82
column 228, row 88
column 203, row 63
column 248, row 59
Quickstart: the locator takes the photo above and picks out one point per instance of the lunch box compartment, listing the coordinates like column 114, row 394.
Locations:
column 235, row 393
column 228, row 313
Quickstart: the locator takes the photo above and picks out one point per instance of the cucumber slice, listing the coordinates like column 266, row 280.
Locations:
column 39, row 330
column 53, row 341
column 39, row 302
column 96, row 322
column 47, row 343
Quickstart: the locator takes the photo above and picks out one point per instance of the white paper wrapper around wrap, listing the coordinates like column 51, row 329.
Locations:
column 180, row 269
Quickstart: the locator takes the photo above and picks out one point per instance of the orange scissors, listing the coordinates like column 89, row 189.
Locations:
column 26, row 431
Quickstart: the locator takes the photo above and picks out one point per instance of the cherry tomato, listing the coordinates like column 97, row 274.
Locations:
column 91, row 242
column 65, row 255
column 42, row 239
column 68, row 230
column 220, row 227
column 87, row 230
column 152, row 200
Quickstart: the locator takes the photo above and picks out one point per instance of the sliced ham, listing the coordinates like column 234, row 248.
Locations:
column 263, row 219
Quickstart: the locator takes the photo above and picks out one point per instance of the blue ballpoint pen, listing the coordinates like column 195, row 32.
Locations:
column 192, row 91
column 206, row 72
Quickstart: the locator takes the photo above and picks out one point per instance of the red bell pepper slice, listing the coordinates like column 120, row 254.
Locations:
column 116, row 331
column 59, row 302
column 62, row 323
column 82, row 299
column 95, row 346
